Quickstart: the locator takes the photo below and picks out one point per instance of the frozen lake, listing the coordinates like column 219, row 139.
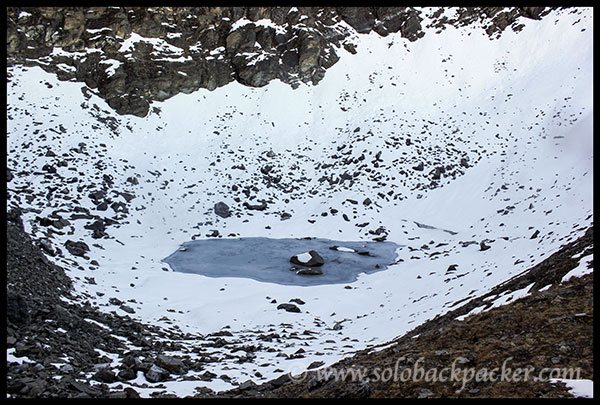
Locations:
column 268, row 260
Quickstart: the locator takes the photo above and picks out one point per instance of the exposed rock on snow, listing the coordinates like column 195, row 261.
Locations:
column 256, row 207
column 289, row 307
column 222, row 210
column 77, row 248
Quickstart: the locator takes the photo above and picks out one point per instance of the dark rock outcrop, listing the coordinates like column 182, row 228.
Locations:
column 208, row 47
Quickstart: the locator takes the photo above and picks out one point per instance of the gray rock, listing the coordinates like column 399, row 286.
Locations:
column 281, row 380
column 127, row 196
column 260, row 207
column 246, row 385
column 315, row 260
column 47, row 247
column 127, row 374
column 131, row 393
column 297, row 301
column 127, row 309
column 133, row 180
column 156, row 374
column 77, row 248
column 172, row 364
column 222, row 210
column 289, row 307
column 66, row 368
column 105, row 375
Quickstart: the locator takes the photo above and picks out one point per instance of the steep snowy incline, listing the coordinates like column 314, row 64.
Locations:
column 447, row 146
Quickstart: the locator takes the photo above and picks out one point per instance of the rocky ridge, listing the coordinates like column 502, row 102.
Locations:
column 132, row 56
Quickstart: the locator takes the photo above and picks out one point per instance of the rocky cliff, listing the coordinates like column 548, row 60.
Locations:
column 132, row 56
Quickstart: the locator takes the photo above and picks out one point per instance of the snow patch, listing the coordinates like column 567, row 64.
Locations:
column 581, row 269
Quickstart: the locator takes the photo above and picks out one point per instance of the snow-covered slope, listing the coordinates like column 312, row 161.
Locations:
column 456, row 139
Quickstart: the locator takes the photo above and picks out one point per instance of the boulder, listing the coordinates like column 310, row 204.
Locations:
column 105, row 375
column 77, row 248
column 222, row 210
column 127, row 309
column 452, row 267
column 411, row 27
column 98, row 227
column 127, row 374
column 309, row 259
column 97, row 196
column 49, row 168
column 289, row 307
column 156, row 374
column 172, row 364
column 133, row 180
column 260, row 207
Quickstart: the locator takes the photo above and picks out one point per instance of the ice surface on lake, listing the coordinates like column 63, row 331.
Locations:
column 267, row 260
